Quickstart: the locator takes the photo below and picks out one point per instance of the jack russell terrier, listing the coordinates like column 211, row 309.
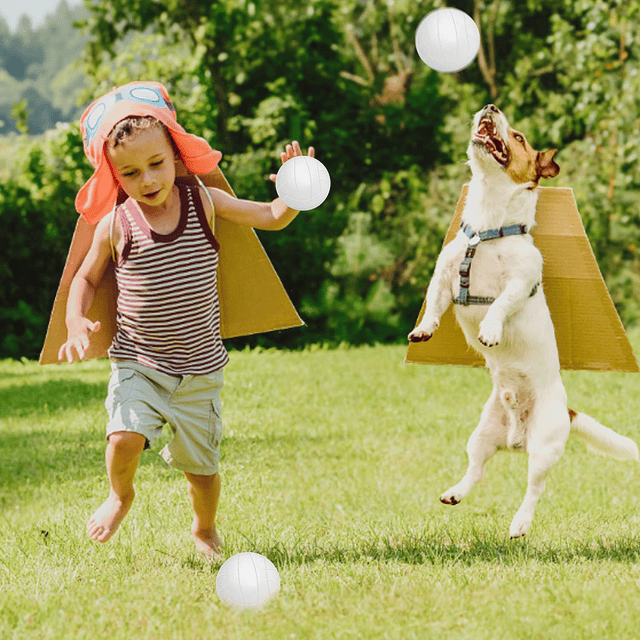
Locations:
column 493, row 273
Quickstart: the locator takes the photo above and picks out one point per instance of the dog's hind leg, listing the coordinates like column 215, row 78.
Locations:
column 547, row 436
column 488, row 436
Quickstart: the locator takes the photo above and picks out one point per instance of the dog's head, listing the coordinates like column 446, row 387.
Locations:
column 496, row 146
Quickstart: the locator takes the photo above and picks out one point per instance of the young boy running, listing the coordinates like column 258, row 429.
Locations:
column 167, row 355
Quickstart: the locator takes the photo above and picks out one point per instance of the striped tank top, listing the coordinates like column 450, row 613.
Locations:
column 168, row 311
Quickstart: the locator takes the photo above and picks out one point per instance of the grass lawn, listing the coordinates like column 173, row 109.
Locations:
column 332, row 465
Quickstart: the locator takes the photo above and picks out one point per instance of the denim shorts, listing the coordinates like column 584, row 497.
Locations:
column 143, row 400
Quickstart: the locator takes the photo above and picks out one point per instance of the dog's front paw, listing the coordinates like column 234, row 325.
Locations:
column 423, row 331
column 520, row 525
column 451, row 497
column 419, row 336
column 490, row 333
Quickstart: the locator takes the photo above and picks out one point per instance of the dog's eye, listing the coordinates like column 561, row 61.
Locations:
column 518, row 137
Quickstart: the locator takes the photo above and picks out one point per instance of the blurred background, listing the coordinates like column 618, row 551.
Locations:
column 343, row 76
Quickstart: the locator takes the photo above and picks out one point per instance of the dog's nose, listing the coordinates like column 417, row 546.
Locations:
column 492, row 108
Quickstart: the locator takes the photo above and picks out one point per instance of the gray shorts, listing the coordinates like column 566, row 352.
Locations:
column 142, row 400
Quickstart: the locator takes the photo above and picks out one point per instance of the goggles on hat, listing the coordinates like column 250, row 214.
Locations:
column 138, row 94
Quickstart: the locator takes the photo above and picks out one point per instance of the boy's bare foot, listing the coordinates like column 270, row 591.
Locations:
column 209, row 544
column 106, row 520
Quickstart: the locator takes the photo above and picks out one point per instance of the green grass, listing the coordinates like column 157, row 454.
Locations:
column 332, row 465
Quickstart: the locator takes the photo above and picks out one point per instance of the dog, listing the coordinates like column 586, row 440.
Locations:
column 493, row 272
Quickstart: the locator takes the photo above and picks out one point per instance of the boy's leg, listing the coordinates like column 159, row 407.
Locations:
column 122, row 456
column 204, row 492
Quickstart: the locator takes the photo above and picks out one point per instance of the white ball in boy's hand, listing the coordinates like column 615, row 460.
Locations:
column 247, row 581
column 447, row 40
column 303, row 183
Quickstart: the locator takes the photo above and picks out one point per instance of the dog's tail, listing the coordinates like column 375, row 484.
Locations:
column 601, row 439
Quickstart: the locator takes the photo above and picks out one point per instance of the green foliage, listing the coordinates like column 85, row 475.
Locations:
column 37, row 214
column 357, row 306
column 592, row 54
column 385, row 257
column 343, row 76
column 20, row 114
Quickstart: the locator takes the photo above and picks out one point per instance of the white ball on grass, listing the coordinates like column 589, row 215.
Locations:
column 303, row 183
column 447, row 40
column 247, row 581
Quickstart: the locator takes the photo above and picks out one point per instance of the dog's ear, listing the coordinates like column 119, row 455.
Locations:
column 547, row 167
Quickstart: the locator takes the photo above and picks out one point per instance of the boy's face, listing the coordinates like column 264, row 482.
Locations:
column 144, row 165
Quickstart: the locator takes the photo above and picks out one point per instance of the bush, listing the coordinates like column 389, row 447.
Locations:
column 37, row 214
column 385, row 257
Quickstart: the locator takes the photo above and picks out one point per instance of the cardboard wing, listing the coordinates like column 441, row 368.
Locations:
column 252, row 298
column 589, row 332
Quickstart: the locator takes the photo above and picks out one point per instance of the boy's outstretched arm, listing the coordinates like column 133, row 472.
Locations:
column 269, row 216
column 81, row 294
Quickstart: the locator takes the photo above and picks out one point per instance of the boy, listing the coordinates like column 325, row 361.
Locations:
column 167, row 355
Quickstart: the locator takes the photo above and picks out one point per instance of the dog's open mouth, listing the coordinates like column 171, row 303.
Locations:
column 487, row 137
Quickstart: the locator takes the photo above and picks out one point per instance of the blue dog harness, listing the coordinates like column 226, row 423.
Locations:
column 465, row 266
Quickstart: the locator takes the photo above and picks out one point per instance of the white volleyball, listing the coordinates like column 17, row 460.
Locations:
column 303, row 183
column 247, row 581
column 447, row 40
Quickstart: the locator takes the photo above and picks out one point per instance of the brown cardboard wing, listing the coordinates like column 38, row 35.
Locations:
column 252, row 298
column 589, row 332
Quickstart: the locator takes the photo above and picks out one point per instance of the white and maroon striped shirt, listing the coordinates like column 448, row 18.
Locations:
column 168, row 310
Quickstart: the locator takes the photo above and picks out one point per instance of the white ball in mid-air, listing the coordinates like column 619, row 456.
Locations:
column 303, row 183
column 247, row 581
column 447, row 40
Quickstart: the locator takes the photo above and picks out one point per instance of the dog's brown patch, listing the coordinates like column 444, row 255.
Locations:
column 572, row 414
column 526, row 164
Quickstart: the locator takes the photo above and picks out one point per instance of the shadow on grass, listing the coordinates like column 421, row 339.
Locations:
column 39, row 458
column 39, row 447
column 438, row 549
column 21, row 401
column 11, row 375
column 42, row 445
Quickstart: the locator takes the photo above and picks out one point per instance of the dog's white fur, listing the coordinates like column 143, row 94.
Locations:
column 527, row 408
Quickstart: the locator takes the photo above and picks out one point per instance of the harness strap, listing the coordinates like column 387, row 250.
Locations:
column 475, row 238
column 492, row 234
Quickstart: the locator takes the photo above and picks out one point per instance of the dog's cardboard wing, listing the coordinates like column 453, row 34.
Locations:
column 589, row 332
column 252, row 298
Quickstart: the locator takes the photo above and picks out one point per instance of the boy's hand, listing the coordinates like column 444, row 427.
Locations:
column 292, row 150
column 78, row 331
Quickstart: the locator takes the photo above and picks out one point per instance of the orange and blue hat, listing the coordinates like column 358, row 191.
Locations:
column 98, row 196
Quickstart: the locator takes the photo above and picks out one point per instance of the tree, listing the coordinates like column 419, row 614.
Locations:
column 37, row 65
column 20, row 51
